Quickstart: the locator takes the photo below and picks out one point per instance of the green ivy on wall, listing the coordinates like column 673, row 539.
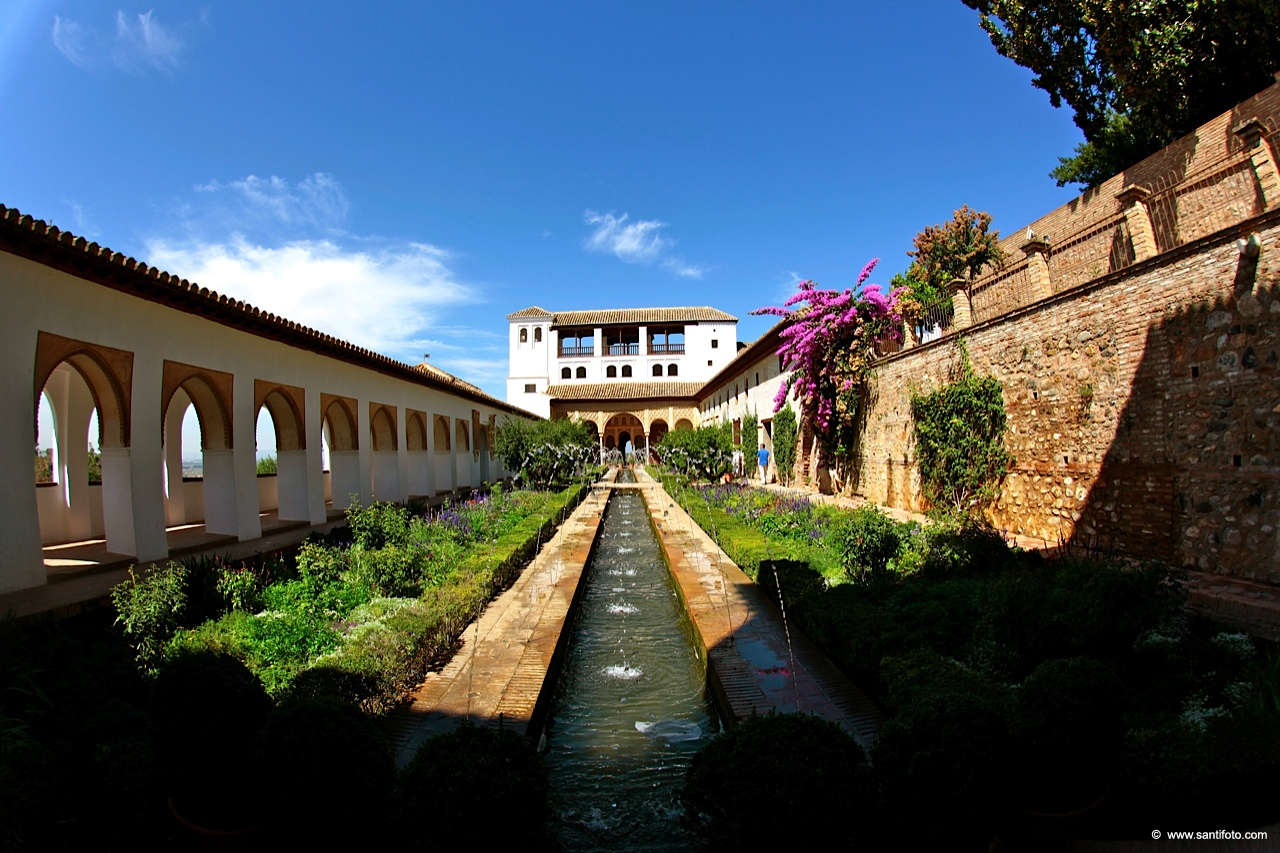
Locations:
column 959, row 430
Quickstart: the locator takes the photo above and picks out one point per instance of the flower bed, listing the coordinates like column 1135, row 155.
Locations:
column 367, row 611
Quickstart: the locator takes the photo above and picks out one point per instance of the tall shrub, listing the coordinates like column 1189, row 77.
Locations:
column 784, row 442
column 959, row 432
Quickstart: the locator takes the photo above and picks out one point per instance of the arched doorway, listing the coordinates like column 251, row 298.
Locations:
column 340, row 433
column 622, row 429
column 283, row 404
column 80, row 379
column 462, row 450
column 386, row 462
column 415, row 442
column 208, row 392
column 444, row 455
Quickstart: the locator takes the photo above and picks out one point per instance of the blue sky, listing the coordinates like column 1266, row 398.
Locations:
column 405, row 175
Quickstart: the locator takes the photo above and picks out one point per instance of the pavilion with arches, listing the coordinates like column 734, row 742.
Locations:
column 109, row 344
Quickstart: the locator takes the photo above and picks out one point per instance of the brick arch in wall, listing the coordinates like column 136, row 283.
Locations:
column 415, row 430
column 382, row 427
column 339, row 419
column 108, row 372
column 287, row 409
column 441, row 431
column 211, row 394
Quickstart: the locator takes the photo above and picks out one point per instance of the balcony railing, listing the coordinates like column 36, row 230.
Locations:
column 670, row 349
column 624, row 349
column 571, row 352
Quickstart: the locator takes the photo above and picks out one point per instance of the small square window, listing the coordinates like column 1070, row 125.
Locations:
column 715, row 344
column 708, row 362
column 530, row 388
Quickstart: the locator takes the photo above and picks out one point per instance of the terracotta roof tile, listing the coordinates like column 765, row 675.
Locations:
column 531, row 313
column 610, row 316
column 46, row 244
column 623, row 390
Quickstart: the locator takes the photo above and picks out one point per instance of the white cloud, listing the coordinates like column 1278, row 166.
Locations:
column 638, row 242
column 314, row 202
column 679, row 267
column 72, row 40
column 384, row 300
column 138, row 45
column 144, row 43
column 284, row 247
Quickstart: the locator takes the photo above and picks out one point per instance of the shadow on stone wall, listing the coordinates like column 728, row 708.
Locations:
column 1191, row 476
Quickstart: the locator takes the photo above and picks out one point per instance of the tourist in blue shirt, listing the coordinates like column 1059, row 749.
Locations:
column 762, row 457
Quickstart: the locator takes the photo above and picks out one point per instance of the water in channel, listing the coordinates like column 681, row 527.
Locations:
column 631, row 706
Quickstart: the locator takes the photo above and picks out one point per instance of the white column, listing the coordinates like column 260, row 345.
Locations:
column 21, row 563
column 55, row 516
column 316, row 511
column 79, row 411
column 365, row 454
column 244, row 457
column 143, row 466
column 292, row 492
column 344, row 468
column 219, row 492
column 176, row 504
column 429, row 462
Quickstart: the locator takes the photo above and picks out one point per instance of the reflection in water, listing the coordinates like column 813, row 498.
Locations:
column 631, row 708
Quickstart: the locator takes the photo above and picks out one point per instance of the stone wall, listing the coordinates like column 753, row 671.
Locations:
column 1197, row 186
column 1144, row 408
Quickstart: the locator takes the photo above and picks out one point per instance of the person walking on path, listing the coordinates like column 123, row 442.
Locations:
column 762, row 459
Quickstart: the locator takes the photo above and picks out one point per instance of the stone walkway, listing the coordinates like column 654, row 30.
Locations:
column 757, row 665
column 505, row 667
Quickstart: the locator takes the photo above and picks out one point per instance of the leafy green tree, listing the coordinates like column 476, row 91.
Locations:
column 704, row 453
column 1138, row 75
column 959, row 432
column 544, row 452
column 267, row 465
column 784, row 442
column 44, row 465
column 95, row 465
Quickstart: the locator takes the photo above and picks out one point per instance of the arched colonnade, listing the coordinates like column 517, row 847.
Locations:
column 401, row 458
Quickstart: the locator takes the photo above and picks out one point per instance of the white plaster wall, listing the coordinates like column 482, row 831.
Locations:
column 37, row 298
column 758, row 381
column 268, row 498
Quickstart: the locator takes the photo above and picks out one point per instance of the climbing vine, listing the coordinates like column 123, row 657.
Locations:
column 959, row 430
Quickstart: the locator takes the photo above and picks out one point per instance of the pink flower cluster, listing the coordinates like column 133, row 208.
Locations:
column 829, row 341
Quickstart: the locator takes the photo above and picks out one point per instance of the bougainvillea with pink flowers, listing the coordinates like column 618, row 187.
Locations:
column 829, row 343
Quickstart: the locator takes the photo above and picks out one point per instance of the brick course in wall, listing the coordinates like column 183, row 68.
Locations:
column 1144, row 408
column 1200, row 184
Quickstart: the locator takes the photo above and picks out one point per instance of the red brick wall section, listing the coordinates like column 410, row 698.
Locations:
column 1144, row 412
column 1201, row 184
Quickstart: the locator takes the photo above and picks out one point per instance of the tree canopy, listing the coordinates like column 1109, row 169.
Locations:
column 1137, row 73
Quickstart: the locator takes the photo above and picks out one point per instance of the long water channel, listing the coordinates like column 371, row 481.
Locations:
column 631, row 706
